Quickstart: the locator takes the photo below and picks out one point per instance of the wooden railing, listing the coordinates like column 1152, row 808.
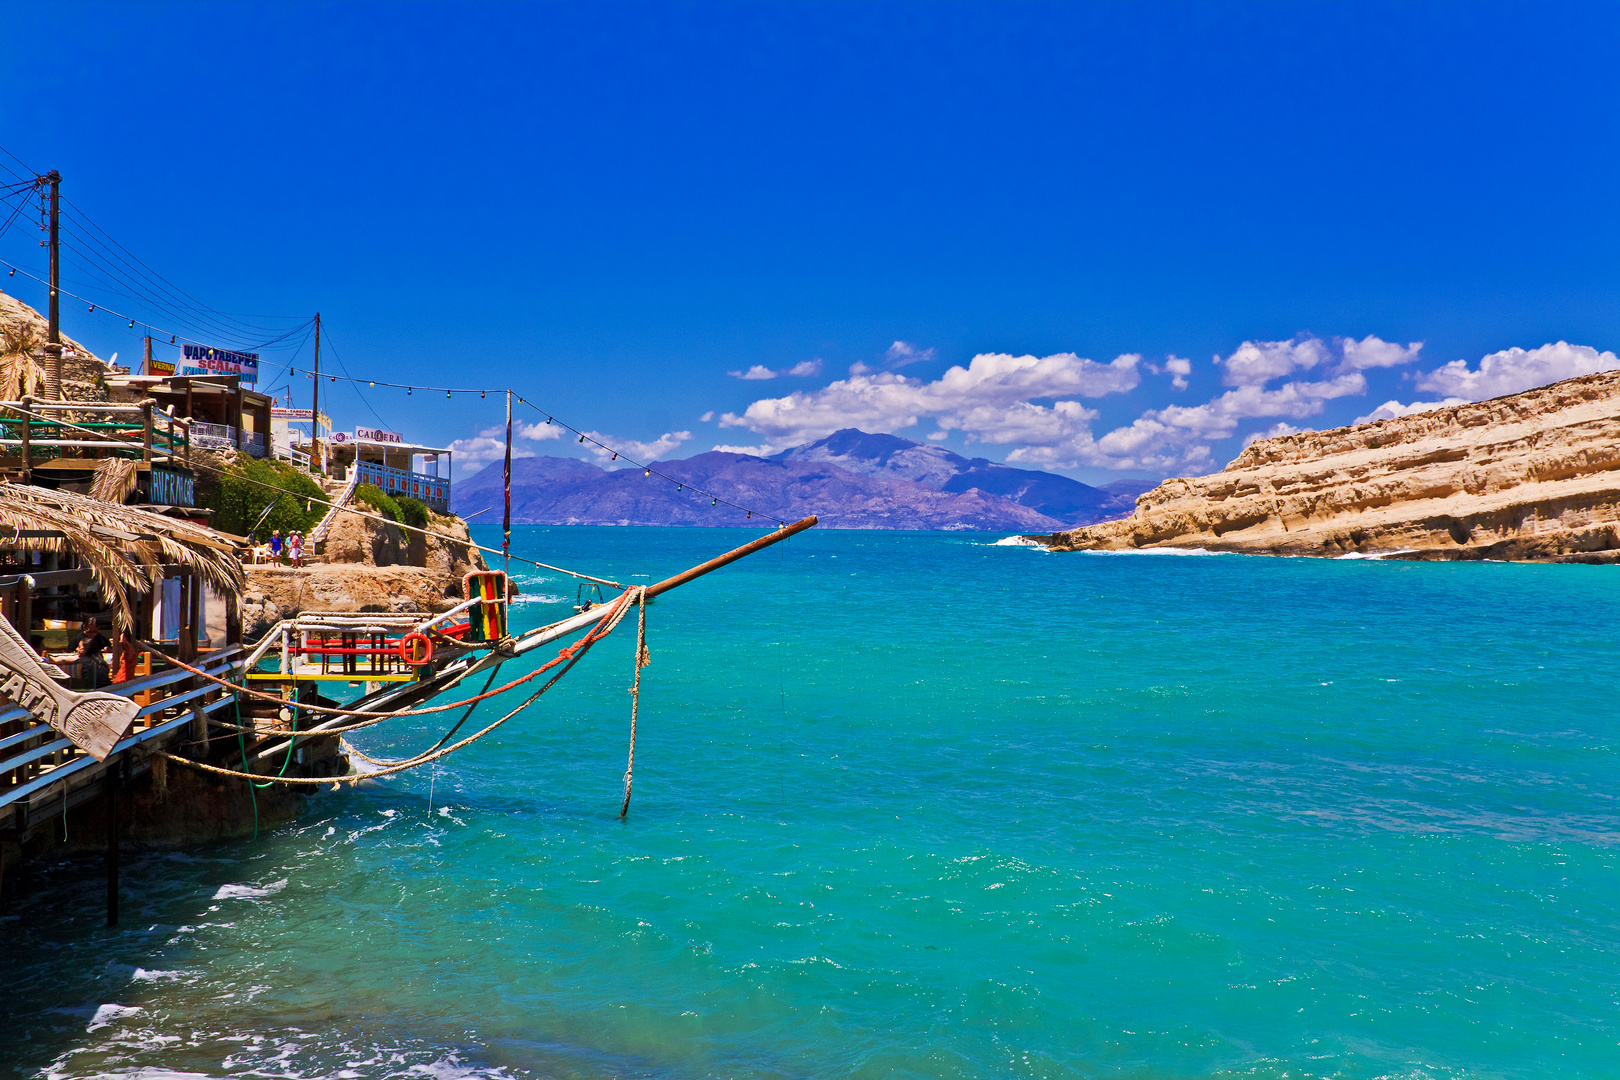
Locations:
column 34, row 756
column 141, row 430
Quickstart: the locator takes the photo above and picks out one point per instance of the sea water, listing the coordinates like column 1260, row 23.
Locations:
column 922, row 805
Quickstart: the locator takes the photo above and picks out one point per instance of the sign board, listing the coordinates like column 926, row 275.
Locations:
column 292, row 414
column 155, row 366
column 94, row 722
column 366, row 434
column 341, row 437
column 202, row 360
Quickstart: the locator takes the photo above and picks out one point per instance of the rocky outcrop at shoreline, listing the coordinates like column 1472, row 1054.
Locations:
column 1528, row 477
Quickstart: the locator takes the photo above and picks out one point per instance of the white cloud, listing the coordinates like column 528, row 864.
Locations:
column 706, row 417
column 804, row 369
column 1372, row 352
column 1389, row 410
column 1180, row 367
column 762, row 450
column 1255, row 363
column 1177, row 437
column 979, row 397
column 902, row 353
column 1513, row 370
column 487, row 446
column 536, row 432
column 641, row 451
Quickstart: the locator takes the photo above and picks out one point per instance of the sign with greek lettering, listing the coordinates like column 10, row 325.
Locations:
column 366, row 434
column 292, row 414
column 94, row 722
column 203, row 360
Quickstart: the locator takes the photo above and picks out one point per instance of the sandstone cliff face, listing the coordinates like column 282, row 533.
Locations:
column 1533, row 476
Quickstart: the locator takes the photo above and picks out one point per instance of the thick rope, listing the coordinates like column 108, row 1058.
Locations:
column 642, row 660
column 621, row 603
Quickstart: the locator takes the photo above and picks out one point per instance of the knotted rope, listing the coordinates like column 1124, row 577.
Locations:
column 642, row 660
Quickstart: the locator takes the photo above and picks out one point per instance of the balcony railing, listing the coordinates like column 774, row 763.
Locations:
column 432, row 490
column 213, row 436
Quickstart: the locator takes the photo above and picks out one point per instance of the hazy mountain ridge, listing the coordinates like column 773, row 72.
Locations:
column 850, row 480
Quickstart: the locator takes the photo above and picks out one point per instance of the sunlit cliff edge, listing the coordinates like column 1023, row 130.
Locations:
column 1533, row 476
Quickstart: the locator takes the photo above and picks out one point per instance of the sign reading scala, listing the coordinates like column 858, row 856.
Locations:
column 366, row 434
column 201, row 360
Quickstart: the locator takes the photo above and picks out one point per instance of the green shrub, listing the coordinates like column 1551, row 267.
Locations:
column 413, row 512
column 247, row 486
column 380, row 501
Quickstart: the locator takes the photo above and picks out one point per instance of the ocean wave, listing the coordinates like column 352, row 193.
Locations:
column 1017, row 541
column 249, row 892
column 1156, row 551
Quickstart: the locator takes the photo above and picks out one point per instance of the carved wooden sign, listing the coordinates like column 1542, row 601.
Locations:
column 94, row 722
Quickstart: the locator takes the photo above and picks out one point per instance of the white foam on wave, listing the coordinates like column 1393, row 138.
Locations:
column 1371, row 555
column 1017, row 541
column 539, row 598
column 249, row 892
column 1155, row 551
column 143, row 975
column 111, row 1013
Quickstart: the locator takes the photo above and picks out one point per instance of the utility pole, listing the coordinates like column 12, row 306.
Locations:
column 53, row 340
column 506, row 476
column 146, row 355
column 315, row 407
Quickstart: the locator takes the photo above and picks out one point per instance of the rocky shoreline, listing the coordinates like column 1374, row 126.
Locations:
column 1531, row 477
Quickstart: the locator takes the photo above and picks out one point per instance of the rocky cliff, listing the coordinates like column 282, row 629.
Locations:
column 1532, row 476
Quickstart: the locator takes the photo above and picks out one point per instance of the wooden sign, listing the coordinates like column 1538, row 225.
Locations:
column 94, row 722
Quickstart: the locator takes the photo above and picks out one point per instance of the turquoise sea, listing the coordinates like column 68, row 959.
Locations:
column 920, row 805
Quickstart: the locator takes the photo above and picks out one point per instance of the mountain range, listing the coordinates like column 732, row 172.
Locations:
column 851, row 480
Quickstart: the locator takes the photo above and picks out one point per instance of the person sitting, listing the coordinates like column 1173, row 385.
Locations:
column 92, row 643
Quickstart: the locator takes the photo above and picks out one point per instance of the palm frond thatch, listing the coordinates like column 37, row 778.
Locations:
column 124, row 547
column 114, row 480
column 21, row 373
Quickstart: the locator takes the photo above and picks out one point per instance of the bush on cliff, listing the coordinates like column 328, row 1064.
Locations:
column 379, row 500
column 247, row 486
column 413, row 512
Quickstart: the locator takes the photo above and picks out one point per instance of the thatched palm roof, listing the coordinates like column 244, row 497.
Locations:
column 122, row 546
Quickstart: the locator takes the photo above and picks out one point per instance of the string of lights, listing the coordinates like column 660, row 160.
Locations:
column 649, row 469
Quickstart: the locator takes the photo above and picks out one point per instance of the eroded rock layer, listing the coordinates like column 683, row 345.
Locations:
column 1532, row 476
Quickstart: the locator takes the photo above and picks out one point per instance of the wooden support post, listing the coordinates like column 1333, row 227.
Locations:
column 188, row 628
column 146, row 426
column 110, row 786
column 27, row 451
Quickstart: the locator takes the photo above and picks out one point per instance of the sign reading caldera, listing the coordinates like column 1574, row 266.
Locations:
column 366, row 434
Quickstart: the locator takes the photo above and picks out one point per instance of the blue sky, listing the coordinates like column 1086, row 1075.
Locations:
column 612, row 206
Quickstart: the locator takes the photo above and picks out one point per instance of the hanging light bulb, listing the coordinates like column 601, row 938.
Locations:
column 750, row 515
column 334, row 378
column 409, row 390
column 582, row 438
column 447, row 395
column 373, row 384
column 92, row 307
column 714, row 502
column 171, row 338
column 680, row 487
column 13, row 272
column 615, row 456
column 132, row 324
column 548, row 419
column 649, row 472
column 482, row 395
